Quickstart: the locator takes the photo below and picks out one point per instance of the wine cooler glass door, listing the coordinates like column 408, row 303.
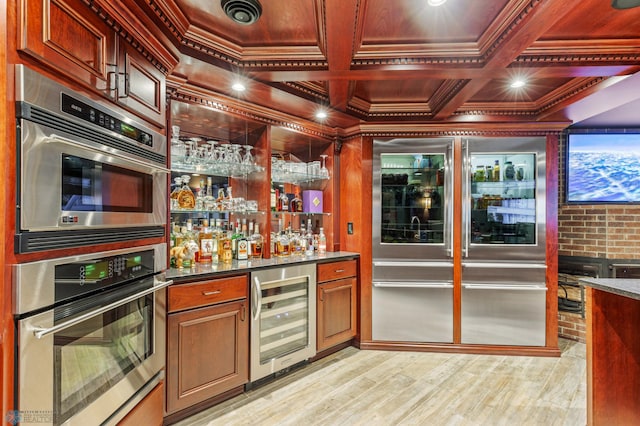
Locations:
column 283, row 321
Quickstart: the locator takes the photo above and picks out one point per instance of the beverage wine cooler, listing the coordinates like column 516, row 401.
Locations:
column 499, row 228
column 283, row 327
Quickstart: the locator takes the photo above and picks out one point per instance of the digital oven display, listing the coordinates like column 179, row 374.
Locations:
column 78, row 278
column 92, row 115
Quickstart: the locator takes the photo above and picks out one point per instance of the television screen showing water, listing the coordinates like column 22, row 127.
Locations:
column 603, row 168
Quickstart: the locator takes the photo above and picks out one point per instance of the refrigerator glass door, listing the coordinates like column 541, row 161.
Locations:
column 412, row 199
column 504, row 199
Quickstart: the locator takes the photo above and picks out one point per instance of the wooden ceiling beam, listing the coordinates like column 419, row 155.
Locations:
column 340, row 23
column 522, row 33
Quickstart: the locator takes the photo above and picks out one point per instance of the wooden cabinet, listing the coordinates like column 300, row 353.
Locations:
column 141, row 86
column 207, row 340
column 148, row 411
column 70, row 38
column 337, row 306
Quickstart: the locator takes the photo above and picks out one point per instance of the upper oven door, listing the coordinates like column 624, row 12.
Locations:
column 67, row 182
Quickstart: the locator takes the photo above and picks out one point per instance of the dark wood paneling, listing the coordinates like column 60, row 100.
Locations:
column 551, row 229
column 613, row 359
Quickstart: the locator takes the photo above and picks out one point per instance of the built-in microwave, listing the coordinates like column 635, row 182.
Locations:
column 87, row 173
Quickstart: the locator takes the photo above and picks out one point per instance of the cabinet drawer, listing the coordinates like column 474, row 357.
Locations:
column 193, row 295
column 337, row 270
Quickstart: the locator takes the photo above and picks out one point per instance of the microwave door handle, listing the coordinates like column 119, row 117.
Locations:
column 43, row 332
column 56, row 138
column 256, row 302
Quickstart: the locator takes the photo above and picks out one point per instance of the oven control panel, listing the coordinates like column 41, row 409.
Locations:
column 77, row 278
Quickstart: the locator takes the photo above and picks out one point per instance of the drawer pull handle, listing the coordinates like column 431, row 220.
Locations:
column 211, row 293
column 339, row 271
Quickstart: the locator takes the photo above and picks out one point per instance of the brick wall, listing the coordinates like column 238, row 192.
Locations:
column 571, row 326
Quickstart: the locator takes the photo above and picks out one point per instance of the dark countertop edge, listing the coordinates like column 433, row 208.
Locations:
column 620, row 286
column 245, row 266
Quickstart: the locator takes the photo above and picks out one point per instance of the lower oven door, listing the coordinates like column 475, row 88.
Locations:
column 82, row 369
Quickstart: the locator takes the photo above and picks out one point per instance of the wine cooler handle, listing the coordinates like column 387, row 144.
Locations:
column 256, row 298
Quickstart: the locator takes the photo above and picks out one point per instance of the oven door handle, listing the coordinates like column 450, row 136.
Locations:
column 57, row 138
column 43, row 332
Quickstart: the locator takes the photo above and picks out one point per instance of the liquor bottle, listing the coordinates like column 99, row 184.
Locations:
column 225, row 253
column 310, row 240
column 322, row 242
column 283, row 203
column 174, row 194
column 205, row 239
column 186, row 199
column 296, row 202
column 234, row 238
column 242, row 243
column 256, row 241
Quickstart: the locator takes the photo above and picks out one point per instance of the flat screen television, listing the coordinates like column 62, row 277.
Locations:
column 602, row 168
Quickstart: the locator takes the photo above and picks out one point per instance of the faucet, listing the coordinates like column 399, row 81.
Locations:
column 414, row 218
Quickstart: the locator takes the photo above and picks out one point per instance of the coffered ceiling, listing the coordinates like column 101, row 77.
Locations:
column 382, row 61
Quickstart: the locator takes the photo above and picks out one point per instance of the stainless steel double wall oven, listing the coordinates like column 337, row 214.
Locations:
column 91, row 326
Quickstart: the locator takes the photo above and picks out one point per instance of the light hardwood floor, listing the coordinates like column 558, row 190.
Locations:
column 354, row 387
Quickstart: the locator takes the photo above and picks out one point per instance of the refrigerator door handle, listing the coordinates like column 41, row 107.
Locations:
column 517, row 287
column 466, row 198
column 415, row 284
column 498, row 265
column 449, row 201
column 414, row 264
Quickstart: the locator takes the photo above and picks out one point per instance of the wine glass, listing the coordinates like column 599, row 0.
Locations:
column 324, row 172
column 248, row 157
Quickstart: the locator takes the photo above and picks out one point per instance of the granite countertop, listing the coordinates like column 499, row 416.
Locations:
column 620, row 286
column 202, row 270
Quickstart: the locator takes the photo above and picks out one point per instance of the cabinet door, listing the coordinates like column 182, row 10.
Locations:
column 336, row 312
column 141, row 86
column 207, row 353
column 67, row 36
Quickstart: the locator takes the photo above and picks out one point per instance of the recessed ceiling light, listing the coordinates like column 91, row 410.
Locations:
column 436, row 2
column 238, row 87
column 516, row 84
column 321, row 115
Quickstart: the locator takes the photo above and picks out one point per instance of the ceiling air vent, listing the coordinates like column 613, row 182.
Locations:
column 243, row 12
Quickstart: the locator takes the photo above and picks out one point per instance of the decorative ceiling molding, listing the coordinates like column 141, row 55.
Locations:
column 197, row 95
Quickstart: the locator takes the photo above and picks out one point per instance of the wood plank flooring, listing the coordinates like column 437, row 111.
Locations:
column 354, row 387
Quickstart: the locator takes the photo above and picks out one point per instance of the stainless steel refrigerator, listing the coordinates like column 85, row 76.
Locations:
column 501, row 231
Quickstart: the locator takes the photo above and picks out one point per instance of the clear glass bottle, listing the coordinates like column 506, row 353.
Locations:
column 174, row 194
column 205, row 240
column 322, row 242
column 256, row 243
column 274, row 198
column 310, row 240
column 225, row 252
column 186, row 199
